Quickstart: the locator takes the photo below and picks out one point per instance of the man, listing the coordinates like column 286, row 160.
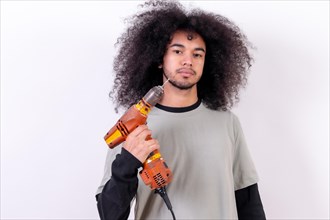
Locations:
column 205, row 58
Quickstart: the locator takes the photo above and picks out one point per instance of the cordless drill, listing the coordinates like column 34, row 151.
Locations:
column 155, row 172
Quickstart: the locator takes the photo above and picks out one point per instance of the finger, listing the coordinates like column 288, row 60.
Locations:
column 144, row 134
column 152, row 145
column 137, row 140
column 138, row 130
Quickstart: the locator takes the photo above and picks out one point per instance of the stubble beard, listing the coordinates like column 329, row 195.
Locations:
column 182, row 86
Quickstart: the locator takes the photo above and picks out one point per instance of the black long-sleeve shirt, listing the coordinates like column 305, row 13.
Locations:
column 114, row 201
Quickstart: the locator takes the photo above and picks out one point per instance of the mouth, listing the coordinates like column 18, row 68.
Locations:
column 185, row 72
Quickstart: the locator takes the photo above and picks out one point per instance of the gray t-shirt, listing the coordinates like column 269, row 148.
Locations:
column 209, row 159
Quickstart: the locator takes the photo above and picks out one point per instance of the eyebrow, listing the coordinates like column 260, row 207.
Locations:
column 180, row 45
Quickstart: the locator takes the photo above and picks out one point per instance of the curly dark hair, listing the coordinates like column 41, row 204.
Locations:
column 143, row 46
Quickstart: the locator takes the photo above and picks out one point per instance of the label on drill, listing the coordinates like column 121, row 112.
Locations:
column 143, row 107
column 113, row 137
column 153, row 157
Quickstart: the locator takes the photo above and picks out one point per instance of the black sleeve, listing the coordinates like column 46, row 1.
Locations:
column 114, row 200
column 248, row 203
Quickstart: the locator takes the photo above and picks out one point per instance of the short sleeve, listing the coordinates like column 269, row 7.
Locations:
column 111, row 156
column 244, row 171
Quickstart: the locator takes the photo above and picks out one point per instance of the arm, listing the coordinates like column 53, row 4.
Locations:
column 114, row 200
column 248, row 203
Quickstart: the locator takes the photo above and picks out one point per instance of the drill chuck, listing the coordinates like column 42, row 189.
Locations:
column 154, row 95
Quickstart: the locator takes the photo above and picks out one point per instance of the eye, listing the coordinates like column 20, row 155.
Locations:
column 197, row 55
column 177, row 51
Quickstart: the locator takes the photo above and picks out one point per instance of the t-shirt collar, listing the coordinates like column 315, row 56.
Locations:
column 179, row 109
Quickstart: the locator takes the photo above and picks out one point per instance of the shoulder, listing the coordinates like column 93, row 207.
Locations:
column 228, row 114
column 227, row 119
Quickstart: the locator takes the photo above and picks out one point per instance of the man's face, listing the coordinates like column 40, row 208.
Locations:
column 184, row 58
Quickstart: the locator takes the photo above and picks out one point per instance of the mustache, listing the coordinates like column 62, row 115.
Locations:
column 184, row 69
column 166, row 72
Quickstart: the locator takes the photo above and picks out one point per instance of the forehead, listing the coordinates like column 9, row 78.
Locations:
column 187, row 37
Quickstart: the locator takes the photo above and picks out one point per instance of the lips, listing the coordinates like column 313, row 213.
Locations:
column 186, row 72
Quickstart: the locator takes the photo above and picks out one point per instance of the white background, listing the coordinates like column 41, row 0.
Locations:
column 56, row 72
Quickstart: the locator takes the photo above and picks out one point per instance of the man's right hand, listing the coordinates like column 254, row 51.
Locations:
column 137, row 144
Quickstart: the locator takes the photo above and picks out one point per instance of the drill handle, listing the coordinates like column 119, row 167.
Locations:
column 155, row 172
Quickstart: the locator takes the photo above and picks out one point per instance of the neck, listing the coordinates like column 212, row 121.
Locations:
column 174, row 97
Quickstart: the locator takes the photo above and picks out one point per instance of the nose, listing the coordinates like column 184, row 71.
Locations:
column 187, row 61
column 187, row 64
